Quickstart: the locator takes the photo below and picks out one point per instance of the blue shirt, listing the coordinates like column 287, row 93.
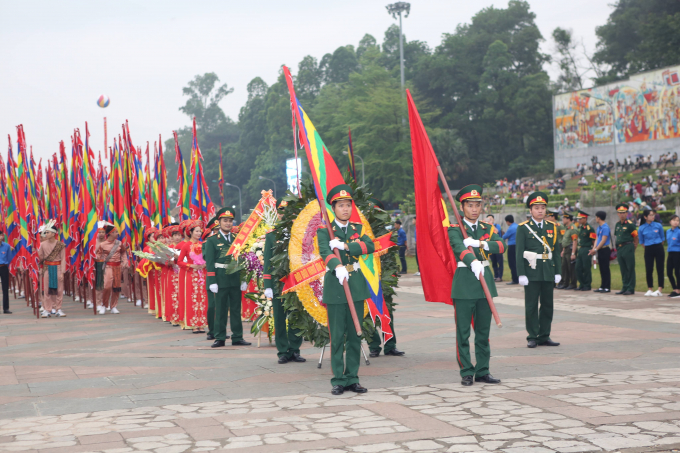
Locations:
column 673, row 239
column 511, row 234
column 650, row 233
column 603, row 231
column 401, row 237
column 498, row 228
column 6, row 253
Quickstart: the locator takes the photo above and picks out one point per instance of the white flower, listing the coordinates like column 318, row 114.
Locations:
column 258, row 253
column 269, row 303
column 258, row 312
column 266, row 313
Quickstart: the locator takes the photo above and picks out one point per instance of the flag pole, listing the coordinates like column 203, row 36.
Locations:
column 322, row 208
column 459, row 221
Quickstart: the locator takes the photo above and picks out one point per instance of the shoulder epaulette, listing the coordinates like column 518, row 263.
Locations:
column 550, row 221
column 454, row 225
column 522, row 223
column 485, row 223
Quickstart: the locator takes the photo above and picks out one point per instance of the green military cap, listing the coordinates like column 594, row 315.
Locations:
column 376, row 203
column 339, row 192
column 622, row 207
column 225, row 212
column 537, row 198
column 472, row 192
column 212, row 223
column 568, row 216
column 582, row 215
column 554, row 214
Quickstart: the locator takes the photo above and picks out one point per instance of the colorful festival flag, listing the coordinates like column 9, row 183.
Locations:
column 183, row 197
column 220, row 182
column 202, row 207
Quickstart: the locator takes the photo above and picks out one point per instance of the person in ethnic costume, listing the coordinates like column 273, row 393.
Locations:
column 114, row 261
column 539, row 266
column 468, row 297
column 148, row 271
column 181, row 274
column 390, row 347
column 287, row 341
column 351, row 242
column 162, row 310
column 193, row 266
column 226, row 287
column 52, row 260
column 172, row 282
column 99, row 270
column 211, row 229
column 626, row 235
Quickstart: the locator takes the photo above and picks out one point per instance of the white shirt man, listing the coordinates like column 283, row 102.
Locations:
column 674, row 187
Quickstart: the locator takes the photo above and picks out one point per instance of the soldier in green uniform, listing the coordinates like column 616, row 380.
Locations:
column 568, row 244
column 390, row 346
column 539, row 267
column 225, row 287
column 553, row 216
column 468, row 297
column 287, row 341
column 586, row 238
column 210, row 229
column 351, row 243
column 626, row 235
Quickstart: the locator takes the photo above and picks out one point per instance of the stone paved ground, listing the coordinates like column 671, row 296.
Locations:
column 124, row 383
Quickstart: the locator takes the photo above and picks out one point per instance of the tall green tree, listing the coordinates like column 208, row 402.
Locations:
column 639, row 35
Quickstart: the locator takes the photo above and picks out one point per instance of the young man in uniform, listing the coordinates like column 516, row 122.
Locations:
column 586, row 237
column 468, row 297
column 626, row 236
column 226, row 287
column 210, row 229
column 539, row 269
column 351, row 243
column 287, row 342
column 568, row 243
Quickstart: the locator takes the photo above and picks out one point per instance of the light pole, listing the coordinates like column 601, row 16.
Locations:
column 240, row 203
column 616, row 159
column 363, row 178
column 396, row 9
column 272, row 181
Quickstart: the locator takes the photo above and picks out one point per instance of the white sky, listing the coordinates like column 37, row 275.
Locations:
column 58, row 57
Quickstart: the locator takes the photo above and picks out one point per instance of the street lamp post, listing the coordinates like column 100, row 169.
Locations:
column 240, row 203
column 363, row 176
column 396, row 9
column 272, row 181
column 616, row 159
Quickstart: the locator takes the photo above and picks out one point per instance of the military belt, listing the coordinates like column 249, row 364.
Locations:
column 221, row 266
column 624, row 243
column 462, row 264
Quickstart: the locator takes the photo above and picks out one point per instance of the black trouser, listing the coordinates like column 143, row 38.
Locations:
column 512, row 262
column 402, row 257
column 497, row 264
column 654, row 253
column 673, row 264
column 4, row 278
column 603, row 257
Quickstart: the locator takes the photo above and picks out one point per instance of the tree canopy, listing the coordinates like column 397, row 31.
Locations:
column 483, row 92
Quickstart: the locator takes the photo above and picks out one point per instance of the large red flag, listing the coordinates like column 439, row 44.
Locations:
column 437, row 264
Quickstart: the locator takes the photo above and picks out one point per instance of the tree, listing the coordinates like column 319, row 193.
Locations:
column 639, row 35
column 338, row 66
column 204, row 99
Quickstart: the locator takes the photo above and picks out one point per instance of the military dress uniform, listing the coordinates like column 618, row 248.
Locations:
column 468, row 297
column 341, row 329
column 586, row 239
column 539, row 262
column 228, row 296
column 210, row 229
column 568, row 266
column 287, row 341
column 626, row 237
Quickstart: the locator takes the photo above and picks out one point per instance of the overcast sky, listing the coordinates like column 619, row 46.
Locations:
column 58, row 57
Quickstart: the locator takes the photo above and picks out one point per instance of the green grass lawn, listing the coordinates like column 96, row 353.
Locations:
column 640, row 279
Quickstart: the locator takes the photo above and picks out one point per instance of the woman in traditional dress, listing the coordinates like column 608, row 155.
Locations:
column 192, row 278
column 147, row 270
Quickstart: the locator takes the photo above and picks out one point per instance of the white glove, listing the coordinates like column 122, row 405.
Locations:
column 213, row 288
column 342, row 274
column 469, row 242
column 523, row 280
column 558, row 278
column 477, row 268
column 336, row 244
column 268, row 293
column 244, row 286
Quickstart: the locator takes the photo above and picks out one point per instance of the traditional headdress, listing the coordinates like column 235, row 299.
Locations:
column 49, row 227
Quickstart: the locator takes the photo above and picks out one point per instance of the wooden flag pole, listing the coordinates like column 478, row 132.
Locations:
column 459, row 221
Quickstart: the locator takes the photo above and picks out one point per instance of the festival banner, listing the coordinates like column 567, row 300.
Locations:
column 251, row 223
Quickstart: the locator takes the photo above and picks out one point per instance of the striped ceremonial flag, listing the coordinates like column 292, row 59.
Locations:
column 202, row 207
column 183, row 197
column 89, row 211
